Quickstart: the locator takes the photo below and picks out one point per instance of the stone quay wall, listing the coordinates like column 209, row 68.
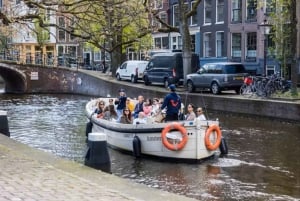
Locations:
column 97, row 84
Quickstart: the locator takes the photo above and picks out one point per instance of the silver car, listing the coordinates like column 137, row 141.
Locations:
column 217, row 77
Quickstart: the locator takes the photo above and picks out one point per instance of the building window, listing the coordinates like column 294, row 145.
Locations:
column 270, row 7
column 194, row 20
column 193, row 42
column 236, row 10
column 158, row 4
column 71, row 50
column 251, row 10
column 220, row 10
column 18, row 1
column 251, row 46
column 207, row 11
column 0, row 3
column 236, row 45
column 163, row 17
column 97, row 56
column 61, row 33
column 206, row 45
column 220, row 44
column 175, row 16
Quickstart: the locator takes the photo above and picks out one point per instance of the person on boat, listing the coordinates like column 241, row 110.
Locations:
column 139, row 106
column 121, row 102
column 155, row 107
column 110, row 113
column 126, row 118
column 130, row 104
column 190, row 116
column 200, row 114
column 172, row 102
column 141, row 119
column 111, row 101
column 147, row 107
column 100, row 109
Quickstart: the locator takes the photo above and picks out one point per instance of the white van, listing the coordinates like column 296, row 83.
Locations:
column 131, row 70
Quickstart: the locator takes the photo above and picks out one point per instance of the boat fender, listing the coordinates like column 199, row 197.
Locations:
column 165, row 135
column 213, row 129
column 136, row 143
column 88, row 128
column 223, row 146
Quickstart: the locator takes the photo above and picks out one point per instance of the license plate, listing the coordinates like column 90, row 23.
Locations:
column 239, row 78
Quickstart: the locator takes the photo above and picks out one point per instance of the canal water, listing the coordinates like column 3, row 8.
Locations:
column 262, row 164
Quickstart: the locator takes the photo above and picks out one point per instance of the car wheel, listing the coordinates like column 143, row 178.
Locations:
column 133, row 79
column 118, row 77
column 237, row 90
column 190, row 86
column 146, row 81
column 166, row 83
column 215, row 88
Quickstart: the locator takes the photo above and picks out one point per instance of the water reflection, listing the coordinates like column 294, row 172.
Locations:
column 262, row 163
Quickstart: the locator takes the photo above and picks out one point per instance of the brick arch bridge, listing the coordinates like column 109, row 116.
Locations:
column 14, row 79
column 41, row 79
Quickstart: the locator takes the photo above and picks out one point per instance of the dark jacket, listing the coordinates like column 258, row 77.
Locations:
column 121, row 102
column 137, row 109
column 173, row 103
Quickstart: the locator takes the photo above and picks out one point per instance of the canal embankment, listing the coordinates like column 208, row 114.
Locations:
column 30, row 174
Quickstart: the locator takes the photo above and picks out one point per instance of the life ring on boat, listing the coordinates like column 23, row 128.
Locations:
column 211, row 129
column 174, row 146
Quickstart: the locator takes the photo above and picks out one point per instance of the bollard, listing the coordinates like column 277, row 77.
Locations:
column 97, row 155
column 4, row 129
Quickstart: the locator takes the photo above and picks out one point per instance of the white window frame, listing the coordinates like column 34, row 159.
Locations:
column 222, row 44
column 217, row 8
column 206, row 44
column 194, row 17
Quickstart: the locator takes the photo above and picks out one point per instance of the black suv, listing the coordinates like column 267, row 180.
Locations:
column 167, row 68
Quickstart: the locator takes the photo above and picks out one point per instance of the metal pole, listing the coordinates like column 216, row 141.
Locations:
column 265, row 56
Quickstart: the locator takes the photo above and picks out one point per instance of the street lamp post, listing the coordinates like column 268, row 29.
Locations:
column 265, row 28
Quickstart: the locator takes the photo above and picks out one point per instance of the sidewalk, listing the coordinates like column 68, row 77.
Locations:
column 28, row 174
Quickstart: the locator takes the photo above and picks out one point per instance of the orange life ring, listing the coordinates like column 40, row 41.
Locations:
column 175, row 146
column 211, row 129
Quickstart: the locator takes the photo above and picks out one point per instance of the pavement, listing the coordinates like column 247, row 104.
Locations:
column 29, row 174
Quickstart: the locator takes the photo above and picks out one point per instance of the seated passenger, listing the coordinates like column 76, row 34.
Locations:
column 126, row 117
column 138, row 106
column 190, row 116
column 200, row 114
column 147, row 107
column 141, row 119
column 100, row 109
column 130, row 104
column 110, row 113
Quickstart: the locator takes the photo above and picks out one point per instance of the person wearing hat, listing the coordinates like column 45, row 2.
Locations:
column 172, row 102
column 121, row 102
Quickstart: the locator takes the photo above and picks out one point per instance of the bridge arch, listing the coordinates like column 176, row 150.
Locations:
column 14, row 79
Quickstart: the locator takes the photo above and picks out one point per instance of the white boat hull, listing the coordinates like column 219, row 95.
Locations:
column 121, row 136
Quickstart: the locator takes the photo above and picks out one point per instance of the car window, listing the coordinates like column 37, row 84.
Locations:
column 163, row 61
column 123, row 66
column 210, row 68
column 235, row 68
column 218, row 69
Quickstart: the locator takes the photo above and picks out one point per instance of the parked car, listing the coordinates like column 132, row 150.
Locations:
column 131, row 70
column 217, row 77
column 167, row 68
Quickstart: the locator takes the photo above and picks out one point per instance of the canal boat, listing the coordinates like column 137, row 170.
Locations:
column 180, row 140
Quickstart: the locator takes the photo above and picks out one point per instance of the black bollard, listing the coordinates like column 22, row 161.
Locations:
column 97, row 155
column 4, row 129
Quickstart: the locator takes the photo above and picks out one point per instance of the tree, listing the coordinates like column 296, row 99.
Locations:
column 184, row 14
column 110, row 25
column 284, row 22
